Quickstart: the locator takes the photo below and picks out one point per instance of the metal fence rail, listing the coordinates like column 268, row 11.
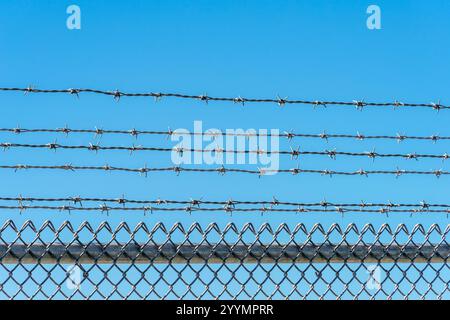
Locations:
column 212, row 262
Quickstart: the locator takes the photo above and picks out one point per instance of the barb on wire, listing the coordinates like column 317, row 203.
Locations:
column 286, row 134
column 294, row 153
column 223, row 170
column 117, row 95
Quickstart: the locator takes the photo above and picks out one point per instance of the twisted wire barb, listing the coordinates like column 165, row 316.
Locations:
column 222, row 170
column 286, row 134
column 117, row 95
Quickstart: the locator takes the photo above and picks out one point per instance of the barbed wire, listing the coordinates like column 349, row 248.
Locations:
column 230, row 202
column 222, row 170
column 228, row 206
column 228, row 209
column 294, row 153
column 117, row 95
column 286, row 134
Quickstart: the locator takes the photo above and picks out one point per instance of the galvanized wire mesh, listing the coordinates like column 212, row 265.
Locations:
column 230, row 262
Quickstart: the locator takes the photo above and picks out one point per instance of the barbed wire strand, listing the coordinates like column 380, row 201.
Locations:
column 222, row 170
column 230, row 202
column 294, row 153
column 286, row 134
column 105, row 208
column 117, row 95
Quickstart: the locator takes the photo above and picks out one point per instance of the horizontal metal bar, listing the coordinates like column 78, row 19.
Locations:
column 220, row 253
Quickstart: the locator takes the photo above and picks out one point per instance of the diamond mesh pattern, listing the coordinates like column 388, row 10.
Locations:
column 248, row 262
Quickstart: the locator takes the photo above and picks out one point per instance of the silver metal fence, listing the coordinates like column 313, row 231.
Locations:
column 229, row 262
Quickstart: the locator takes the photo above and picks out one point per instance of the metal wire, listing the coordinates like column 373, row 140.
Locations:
column 230, row 210
column 286, row 134
column 230, row 202
column 222, row 170
column 294, row 153
column 156, row 262
column 117, row 95
column 229, row 262
column 227, row 209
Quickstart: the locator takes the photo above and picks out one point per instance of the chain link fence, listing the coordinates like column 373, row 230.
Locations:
column 230, row 262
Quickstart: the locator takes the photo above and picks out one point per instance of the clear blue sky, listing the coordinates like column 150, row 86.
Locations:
column 300, row 49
